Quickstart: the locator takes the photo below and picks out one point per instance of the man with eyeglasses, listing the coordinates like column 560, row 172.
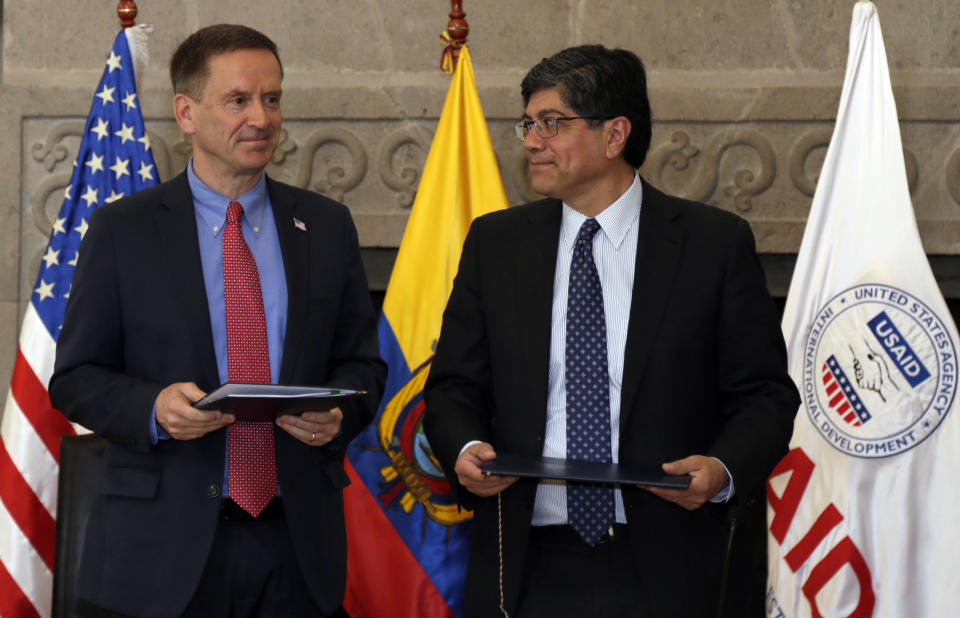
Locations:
column 613, row 323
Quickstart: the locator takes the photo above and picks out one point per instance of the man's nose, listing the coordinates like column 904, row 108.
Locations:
column 533, row 142
column 257, row 114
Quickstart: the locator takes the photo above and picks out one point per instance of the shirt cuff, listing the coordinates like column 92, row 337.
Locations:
column 468, row 445
column 157, row 432
column 726, row 493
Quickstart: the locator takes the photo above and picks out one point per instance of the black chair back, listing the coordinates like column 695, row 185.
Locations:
column 81, row 460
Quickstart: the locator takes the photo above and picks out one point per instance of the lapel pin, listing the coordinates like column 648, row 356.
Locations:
column 300, row 225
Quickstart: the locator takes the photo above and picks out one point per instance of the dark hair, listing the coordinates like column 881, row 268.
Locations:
column 602, row 83
column 190, row 64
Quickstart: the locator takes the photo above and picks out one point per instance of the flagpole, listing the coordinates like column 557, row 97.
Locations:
column 458, row 29
column 127, row 12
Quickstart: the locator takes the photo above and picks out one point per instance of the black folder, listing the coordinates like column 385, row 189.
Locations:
column 264, row 402
column 533, row 466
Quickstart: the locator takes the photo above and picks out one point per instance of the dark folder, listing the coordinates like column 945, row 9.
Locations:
column 264, row 402
column 532, row 466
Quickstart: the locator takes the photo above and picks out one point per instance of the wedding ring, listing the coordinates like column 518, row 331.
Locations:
column 313, row 436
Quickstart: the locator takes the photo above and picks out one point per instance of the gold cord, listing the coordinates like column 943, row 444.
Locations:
column 500, row 550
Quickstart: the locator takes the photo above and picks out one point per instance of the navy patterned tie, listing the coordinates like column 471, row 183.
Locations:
column 590, row 508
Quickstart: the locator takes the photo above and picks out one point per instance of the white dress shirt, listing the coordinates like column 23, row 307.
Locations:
column 615, row 255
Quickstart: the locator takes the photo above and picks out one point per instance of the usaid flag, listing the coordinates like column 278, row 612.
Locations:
column 861, row 511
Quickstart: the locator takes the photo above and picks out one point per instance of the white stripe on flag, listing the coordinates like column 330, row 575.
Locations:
column 24, row 564
column 37, row 346
column 30, row 455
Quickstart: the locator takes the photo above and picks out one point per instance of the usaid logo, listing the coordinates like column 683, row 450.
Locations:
column 879, row 371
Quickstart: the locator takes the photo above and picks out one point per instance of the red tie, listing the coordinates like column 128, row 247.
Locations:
column 252, row 470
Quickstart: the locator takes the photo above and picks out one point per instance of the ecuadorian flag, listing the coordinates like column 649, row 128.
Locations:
column 408, row 543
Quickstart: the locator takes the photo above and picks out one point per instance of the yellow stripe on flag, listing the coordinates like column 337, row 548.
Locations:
column 460, row 182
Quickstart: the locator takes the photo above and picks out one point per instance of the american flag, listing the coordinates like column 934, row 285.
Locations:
column 843, row 398
column 114, row 161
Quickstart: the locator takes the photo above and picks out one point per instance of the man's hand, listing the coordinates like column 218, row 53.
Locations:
column 313, row 428
column 176, row 414
column 470, row 476
column 708, row 477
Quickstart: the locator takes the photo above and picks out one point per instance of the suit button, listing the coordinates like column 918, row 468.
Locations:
column 213, row 491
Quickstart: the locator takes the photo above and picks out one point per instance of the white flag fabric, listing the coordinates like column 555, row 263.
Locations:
column 862, row 511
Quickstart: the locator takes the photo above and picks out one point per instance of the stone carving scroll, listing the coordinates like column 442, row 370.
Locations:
column 337, row 181
column 38, row 201
column 55, row 183
column 678, row 153
column 801, row 151
column 953, row 175
column 52, row 151
column 820, row 138
column 404, row 180
column 285, row 146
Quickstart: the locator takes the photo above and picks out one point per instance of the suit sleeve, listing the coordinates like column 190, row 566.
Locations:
column 88, row 383
column 758, row 399
column 355, row 354
column 457, row 392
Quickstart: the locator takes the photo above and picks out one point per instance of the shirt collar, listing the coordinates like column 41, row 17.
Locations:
column 212, row 206
column 615, row 220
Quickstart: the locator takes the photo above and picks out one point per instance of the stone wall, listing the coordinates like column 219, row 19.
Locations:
column 744, row 94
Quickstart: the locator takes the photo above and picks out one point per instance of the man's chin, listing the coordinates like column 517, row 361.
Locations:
column 541, row 185
column 257, row 159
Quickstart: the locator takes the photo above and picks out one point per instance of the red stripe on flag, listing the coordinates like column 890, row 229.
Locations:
column 383, row 577
column 35, row 404
column 836, row 400
column 25, row 508
column 12, row 600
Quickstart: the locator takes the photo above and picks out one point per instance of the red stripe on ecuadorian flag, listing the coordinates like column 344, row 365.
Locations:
column 377, row 587
column 34, row 401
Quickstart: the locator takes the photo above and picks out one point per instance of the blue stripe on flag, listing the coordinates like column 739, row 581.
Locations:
column 440, row 549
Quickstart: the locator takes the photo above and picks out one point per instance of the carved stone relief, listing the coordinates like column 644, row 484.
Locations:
column 746, row 182
column 953, row 175
column 322, row 169
column 52, row 151
column 818, row 139
column 400, row 160
column 733, row 166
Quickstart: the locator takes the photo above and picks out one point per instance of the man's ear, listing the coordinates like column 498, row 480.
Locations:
column 618, row 132
column 183, row 111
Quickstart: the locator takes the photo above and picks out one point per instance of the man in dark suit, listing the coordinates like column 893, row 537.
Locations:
column 219, row 274
column 610, row 322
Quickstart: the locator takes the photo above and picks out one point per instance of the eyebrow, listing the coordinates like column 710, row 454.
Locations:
column 545, row 113
column 235, row 92
column 246, row 93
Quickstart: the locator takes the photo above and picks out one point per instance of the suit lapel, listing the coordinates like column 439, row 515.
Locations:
column 659, row 247
column 294, row 246
column 536, row 268
column 177, row 228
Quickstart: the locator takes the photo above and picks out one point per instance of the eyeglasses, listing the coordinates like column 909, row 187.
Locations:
column 547, row 127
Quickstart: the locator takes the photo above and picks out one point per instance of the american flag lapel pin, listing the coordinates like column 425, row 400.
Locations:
column 300, row 225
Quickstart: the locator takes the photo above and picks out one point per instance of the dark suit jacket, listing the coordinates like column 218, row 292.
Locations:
column 704, row 373
column 137, row 321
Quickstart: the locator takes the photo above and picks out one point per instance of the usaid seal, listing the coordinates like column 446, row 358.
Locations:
column 879, row 371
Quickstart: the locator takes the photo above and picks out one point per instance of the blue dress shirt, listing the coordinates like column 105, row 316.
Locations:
column 260, row 233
